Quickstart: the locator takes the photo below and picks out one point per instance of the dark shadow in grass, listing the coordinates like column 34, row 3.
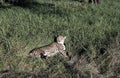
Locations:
column 78, row 0
column 41, row 8
column 71, row 65
column 4, row 6
column 89, row 1
column 45, row 9
column 75, row 58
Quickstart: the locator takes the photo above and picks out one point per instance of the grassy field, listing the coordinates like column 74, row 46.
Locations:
column 93, row 34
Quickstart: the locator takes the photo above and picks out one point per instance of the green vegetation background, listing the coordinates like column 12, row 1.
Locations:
column 91, row 29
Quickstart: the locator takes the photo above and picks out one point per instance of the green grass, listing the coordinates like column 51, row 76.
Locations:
column 92, row 28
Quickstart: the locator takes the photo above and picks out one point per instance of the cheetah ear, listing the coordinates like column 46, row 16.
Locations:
column 65, row 37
